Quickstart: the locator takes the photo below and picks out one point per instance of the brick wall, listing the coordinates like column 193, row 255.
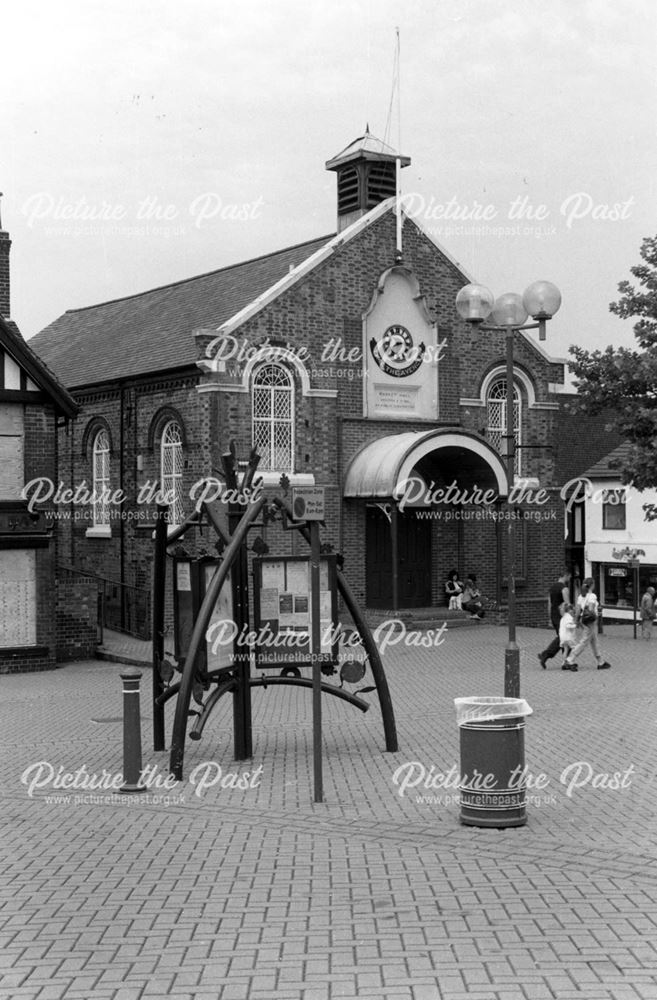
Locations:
column 21, row 661
column 77, row 619
column 129, row 412
column 327, row 304
column 40, row 460
column 5, row 246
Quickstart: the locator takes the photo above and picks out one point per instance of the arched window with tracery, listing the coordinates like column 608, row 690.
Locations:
column 496, row 419
column 101, row 479
column 273, row 418
column 171, row 469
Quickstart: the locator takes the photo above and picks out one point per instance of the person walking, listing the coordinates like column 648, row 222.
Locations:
column 587, row 606
column 559, row 596
column 647, row 612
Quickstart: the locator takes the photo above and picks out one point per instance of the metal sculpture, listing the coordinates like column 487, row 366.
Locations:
column 243, row 513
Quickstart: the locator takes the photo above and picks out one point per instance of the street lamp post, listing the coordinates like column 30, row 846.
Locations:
column 509, row 314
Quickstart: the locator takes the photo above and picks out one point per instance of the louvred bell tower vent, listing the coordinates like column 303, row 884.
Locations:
column 366, row 172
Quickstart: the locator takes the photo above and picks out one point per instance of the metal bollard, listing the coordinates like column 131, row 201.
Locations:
column 131, row 733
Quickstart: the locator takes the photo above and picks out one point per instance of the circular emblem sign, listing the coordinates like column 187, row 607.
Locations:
column 395, row 353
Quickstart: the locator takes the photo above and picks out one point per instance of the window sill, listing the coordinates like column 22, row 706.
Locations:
column 295, row 478
column 99, row 531
column 150, row 526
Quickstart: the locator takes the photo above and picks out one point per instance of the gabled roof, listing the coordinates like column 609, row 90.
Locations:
column 580, row 439
column 152, row 331
column 305, row 267
column 609, row 466
column 38, row 372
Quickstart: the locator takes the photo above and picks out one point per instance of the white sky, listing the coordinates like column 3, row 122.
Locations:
column 201, row 105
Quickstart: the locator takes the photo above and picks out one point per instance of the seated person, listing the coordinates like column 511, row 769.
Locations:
column 453, row 590
column 472, row 600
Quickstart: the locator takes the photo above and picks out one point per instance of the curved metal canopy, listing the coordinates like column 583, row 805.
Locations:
column 381, row 466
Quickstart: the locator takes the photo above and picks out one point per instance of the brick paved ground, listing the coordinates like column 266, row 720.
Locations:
column 261, row 894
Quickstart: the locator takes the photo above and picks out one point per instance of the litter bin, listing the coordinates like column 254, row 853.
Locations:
column 493, row 782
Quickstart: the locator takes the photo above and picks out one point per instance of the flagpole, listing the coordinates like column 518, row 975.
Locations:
column 398, row 160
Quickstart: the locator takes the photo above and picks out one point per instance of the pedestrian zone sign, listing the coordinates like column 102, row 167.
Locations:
column 308, row 503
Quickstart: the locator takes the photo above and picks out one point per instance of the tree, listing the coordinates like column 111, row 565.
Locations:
column 624, row 381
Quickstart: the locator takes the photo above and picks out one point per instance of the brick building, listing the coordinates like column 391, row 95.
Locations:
column 35, row 625
column 344, row 362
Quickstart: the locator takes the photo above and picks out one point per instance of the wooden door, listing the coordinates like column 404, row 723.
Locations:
column 414, row 561
column 414, row 552
column 378, row 559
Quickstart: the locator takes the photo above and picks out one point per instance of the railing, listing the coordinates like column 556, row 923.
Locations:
column 121, row 607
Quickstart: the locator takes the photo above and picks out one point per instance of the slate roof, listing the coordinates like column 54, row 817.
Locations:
column 152, row 331
column 12, row 340
column 609, row 466
column 580, row 440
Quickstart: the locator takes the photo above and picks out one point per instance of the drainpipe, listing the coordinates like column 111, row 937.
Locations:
column 340, row 479
column 121, row 481
column 394, row 546
column 71, row 538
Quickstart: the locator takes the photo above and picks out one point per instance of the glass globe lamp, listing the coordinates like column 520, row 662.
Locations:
column 509, row 310
column 474, row 303
column 542, row 299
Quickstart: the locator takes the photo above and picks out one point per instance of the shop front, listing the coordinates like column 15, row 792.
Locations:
column 620, row 550
column 622, row 575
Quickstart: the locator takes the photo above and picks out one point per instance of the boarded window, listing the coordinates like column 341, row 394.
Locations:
column 17, row 597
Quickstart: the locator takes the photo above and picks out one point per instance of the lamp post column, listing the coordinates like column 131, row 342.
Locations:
column 510, row 312
column 512, row 652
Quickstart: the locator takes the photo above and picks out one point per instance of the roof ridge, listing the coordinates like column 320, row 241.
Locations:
column 205, row 274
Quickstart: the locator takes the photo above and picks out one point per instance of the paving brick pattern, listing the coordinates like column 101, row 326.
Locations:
column 259, row 893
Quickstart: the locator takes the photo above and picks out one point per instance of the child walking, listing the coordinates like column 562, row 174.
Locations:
column 567, row 629
column 587, row 605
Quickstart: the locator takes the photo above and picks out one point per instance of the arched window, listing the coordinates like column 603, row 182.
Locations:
column 273, row 418
column 496, row 410
column 171, row 466
column 101, row 479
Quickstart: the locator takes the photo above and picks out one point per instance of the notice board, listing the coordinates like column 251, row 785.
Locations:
column 283, row 610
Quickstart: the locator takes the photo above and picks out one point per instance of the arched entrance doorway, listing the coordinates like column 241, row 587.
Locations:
column 415, row 487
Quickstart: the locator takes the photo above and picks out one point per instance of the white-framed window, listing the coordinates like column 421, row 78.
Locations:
column 273, row 418
column 613, row 510
column 101, row 479
column 496, row 419
column 171, row 469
